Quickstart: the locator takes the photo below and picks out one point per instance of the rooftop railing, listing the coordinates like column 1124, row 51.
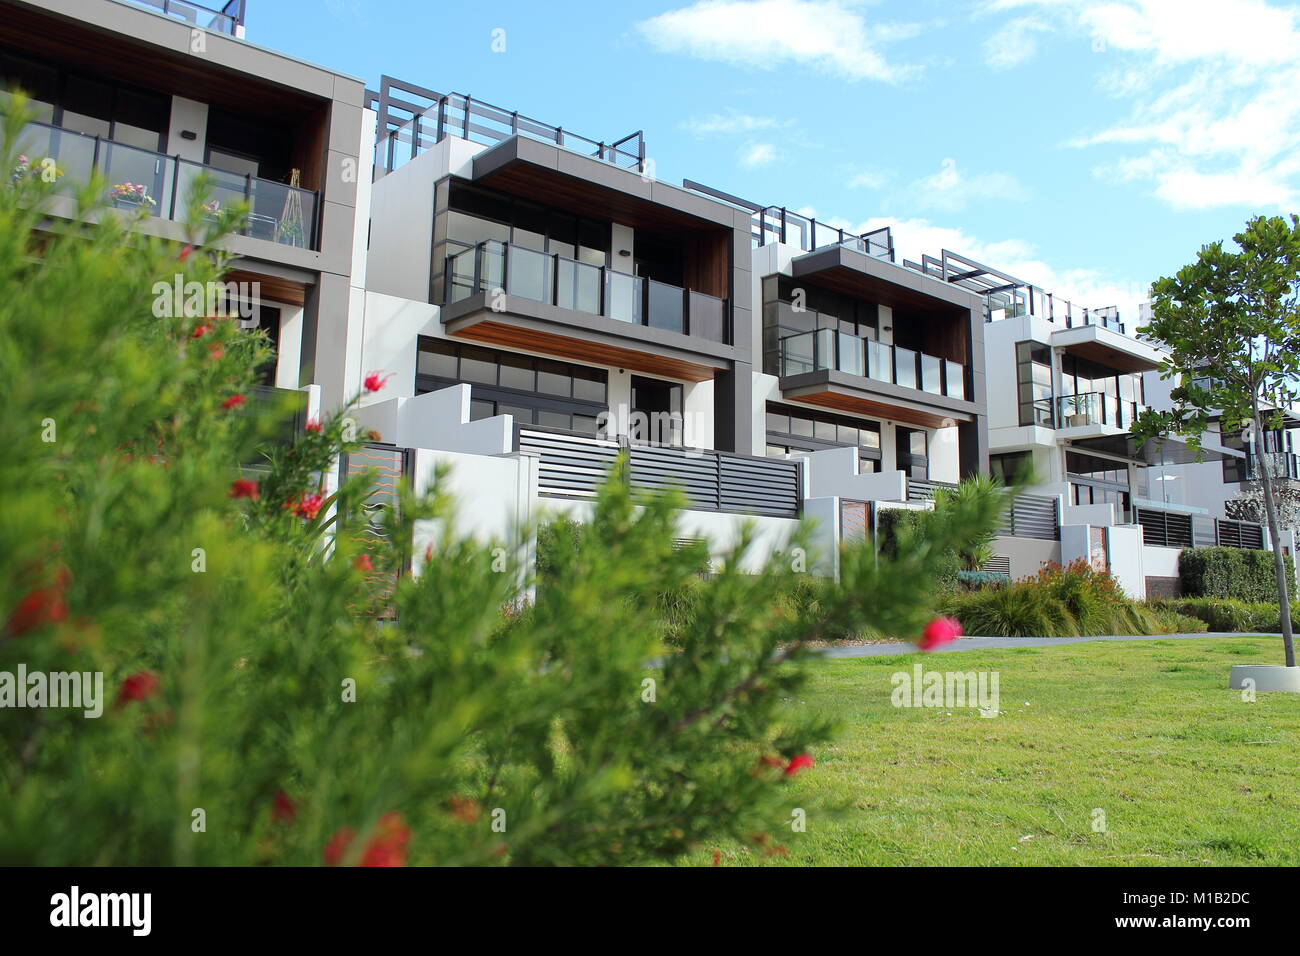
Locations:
column 402, row 138
column 585, row 287
column 1007, row 297
column 227, row 19
column 160, row 185
column 778, row 224
column 830, row 349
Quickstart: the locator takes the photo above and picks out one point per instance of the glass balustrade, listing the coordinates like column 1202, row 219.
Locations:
column 828, row 349
column 143, row 181
column 931, row 374
column 584, row 287
column 905, row 367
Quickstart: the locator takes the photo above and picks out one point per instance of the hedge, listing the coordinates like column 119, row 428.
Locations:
column 1240, row 574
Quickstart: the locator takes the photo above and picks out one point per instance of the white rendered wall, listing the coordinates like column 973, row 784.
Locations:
column 401, row 217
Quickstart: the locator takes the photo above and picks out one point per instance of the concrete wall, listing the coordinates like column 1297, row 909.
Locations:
column 1028, row 555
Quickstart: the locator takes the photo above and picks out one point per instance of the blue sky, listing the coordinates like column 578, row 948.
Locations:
column 1085, row 146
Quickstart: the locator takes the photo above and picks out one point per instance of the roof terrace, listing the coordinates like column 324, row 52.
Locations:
column 413, row 119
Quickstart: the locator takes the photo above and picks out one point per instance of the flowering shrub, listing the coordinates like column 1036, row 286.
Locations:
column 136, row 193
column 264, row 714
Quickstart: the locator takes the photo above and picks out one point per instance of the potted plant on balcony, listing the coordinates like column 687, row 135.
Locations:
column 290, row 231
column 45, row 169
column 132, row 196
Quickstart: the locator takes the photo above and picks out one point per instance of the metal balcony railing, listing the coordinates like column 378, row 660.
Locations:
column 584, row 287
column 160, row 185
column 228, row 18
column 823, row 349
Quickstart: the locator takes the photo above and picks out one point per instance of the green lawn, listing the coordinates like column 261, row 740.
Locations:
column 1185, row 772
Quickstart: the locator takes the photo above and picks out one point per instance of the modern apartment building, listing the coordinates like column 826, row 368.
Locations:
column 542, row 303
column 154, row 94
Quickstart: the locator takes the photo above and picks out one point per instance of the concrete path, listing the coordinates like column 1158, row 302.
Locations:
column 991, row 643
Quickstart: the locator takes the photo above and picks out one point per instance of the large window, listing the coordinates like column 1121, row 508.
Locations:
column 1011, row 465
column 1095, row 481
column 1117, row 394
column 475, row 214
column 791, row 430
column 536, row 391
column 791, row 307
column 117, row 112
column 1034, row 384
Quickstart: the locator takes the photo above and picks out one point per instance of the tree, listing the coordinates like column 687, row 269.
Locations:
column 257, row 712
column 1231, row 323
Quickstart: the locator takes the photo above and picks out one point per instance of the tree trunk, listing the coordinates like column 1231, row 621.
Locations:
column 1274, row 532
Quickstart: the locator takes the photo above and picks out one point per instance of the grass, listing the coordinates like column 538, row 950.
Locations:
column 1185, row 772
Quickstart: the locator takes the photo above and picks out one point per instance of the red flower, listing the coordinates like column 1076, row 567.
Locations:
column 185, row 253
column 216, row 351
column 940, row 631
column 338, row 846
column 375, row 381
column 798, row 763
column 464, row 809
column 717, row 857
column 200, row 331
column 307, row 507
column 363, row 563
column 139, row 686
column 39, row 608
column 315, row 426
column 234, row 401
column 243, row 488
column 386, row 848
column 283, row 809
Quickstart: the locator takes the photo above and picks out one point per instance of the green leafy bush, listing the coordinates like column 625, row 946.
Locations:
column 1242, row 574
column 1073, row 601
column 899, row 530
column 1227, row 614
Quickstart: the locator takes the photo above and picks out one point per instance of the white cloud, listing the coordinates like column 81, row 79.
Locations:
column 827, row 35
column 1015, row 43
column 755, row 155
column 868, row 179
column 950, row 189
column 716, row 124
column 1215, row 93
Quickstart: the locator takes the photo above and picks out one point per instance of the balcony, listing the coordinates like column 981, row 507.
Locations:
column 583, row 287
column 821, row 349
column 1096, row 410
column 1277, row 464
column 505, row 294
column 160, row 185
column 227, row 19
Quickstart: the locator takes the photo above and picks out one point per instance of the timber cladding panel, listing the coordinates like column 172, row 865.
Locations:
column 584, row 350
